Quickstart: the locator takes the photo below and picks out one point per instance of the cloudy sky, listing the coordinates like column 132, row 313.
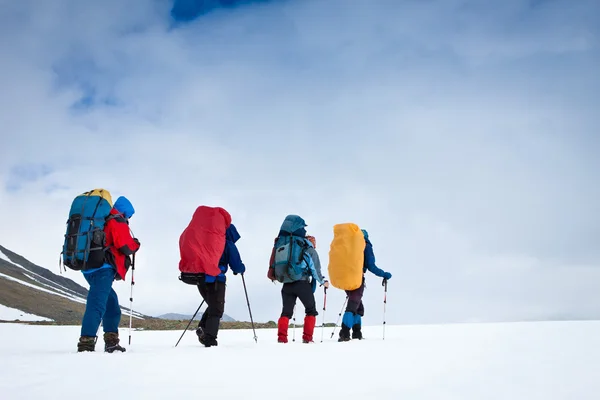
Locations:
column 463, row 135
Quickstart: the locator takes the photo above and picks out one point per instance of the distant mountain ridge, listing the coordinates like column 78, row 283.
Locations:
column 35, row 293
column 175, row 316
column 35, row 290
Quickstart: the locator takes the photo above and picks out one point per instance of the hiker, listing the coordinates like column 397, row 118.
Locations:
column 102, row 303
column 295, row 263
column 355, row 309
column 208, row 249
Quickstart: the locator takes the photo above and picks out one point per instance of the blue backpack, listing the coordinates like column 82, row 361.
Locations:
column 289, row 264
column 84, row 243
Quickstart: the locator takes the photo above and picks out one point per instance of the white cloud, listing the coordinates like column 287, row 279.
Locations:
column 462, row 137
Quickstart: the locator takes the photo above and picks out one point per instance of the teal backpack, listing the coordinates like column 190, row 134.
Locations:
column 289, row 264
column 84, row 240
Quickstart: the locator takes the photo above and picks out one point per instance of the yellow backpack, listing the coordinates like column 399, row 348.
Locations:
column 346, row 256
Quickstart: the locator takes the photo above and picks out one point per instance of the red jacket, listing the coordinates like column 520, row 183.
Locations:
column 121, row 244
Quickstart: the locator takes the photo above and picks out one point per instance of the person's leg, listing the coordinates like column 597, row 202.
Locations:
column 110, row 323
column 288, row 298
column 356, row 328
column 112, row 315
column 216, row 307
column 354, row 301
column 307, row 297
column 202, row 323
column 100, row 286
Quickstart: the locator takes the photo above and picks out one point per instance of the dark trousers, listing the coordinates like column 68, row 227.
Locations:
column 355, row 304
column 214, row 295
column 298, row 290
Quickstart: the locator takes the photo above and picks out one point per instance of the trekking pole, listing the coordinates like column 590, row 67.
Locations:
column 189, row 323
column 340, row 316
column 294, row 324
column 249, row 310
column 131, row 298
column 384, row 284
column 324, row 308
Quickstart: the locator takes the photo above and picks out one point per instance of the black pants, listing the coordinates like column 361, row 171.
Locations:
column 298, row 290
column 214, row 295
column 355, row 304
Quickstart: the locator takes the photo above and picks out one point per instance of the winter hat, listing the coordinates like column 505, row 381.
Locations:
column 124, row 206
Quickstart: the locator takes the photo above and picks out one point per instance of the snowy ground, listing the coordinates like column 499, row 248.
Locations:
column 12, row 314
column 551, row 360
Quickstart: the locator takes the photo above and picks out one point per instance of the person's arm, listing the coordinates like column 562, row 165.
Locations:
column 122, row 240
column 235, row 260
column 316, row 265
column 370, row 261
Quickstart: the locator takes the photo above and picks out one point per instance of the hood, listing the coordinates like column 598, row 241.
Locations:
column 124, row 206
column 292, row 224
column 366, row 236
column 232, row 234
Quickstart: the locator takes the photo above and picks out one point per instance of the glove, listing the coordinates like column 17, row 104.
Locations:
column 387, row 276
column 240, row 272
column 326, row 284
column 137, row 241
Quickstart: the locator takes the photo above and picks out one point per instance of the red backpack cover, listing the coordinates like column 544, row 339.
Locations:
column 203, row 241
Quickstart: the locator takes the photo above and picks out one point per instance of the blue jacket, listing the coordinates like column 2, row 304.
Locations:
column 369, row 263
column 230, row 257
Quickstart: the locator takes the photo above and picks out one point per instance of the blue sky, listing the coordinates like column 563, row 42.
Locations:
column 462, row 134
column 190, row 10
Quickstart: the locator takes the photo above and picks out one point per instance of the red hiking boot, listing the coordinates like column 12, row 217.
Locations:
column 309, row 328
column 282, row 329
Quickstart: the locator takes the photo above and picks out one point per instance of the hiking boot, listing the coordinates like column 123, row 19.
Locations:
column 208, row 341
column 344, row 334
column 356, row 332
column 201, row 338
column 204, row 339
column 87, row 343
column 307, row 341
column 111, row 342
column 199, row 333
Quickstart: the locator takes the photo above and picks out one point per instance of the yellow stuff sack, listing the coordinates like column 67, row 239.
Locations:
column 346, row 257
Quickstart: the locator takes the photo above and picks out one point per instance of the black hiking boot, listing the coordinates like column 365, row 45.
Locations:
column 86, row 343
column 111, row 342
column 356, row 333
column 344, row 334
column 200, row 333
column 208, row 341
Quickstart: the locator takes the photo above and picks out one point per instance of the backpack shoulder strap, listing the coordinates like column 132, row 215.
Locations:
column 291, row 248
